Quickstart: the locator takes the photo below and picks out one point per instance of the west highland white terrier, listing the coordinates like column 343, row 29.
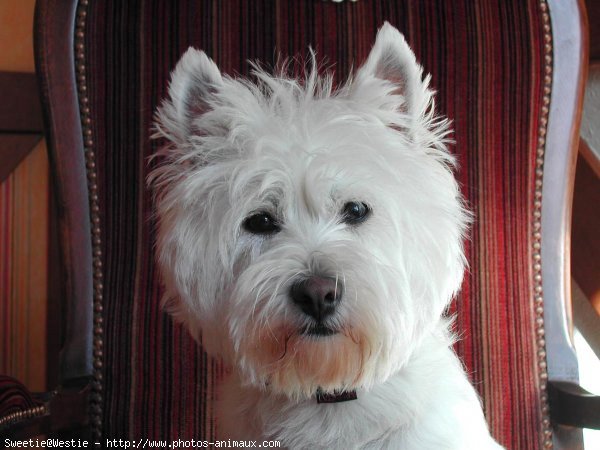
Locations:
column 311, row 237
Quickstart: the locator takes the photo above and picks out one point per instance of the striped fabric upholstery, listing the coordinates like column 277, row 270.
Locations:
column 486, row 59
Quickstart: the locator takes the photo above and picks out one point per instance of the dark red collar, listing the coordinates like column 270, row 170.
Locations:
column 336, row 397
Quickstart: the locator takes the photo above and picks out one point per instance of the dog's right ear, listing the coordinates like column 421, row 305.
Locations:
column 193, row 84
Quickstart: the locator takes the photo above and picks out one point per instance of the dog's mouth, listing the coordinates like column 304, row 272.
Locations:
column 318, row 330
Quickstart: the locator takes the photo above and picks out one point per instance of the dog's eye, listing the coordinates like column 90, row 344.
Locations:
column 355, row 212
column 261, row 223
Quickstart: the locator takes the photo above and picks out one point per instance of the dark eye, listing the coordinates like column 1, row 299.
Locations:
column 355, row 212
column 261, row 223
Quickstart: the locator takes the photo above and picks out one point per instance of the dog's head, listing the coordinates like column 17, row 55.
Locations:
column 309, row 235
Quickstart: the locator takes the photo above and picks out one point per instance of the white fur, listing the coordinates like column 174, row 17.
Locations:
column 299, row 150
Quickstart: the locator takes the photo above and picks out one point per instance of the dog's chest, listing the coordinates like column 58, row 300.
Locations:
column 376, row 419
column 428, row 405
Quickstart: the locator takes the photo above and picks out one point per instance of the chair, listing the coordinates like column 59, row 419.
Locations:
column 509, row 73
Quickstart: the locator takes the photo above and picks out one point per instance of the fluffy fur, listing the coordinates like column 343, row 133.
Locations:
column 299, row 150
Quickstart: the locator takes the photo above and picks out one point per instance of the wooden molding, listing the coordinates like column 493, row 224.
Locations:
column 585, row 239
column 20, row 109
column 21, row 124
column 13, row 149
column 589, row 157
column 593, row 11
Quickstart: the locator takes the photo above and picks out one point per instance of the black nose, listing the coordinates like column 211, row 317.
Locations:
column 317, row 296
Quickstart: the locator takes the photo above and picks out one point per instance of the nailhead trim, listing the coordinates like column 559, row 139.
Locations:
column 18, row 416
column 90, row 161
column 96, row 395
column 546, row 438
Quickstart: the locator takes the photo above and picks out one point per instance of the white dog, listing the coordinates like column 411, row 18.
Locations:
column 311, row 237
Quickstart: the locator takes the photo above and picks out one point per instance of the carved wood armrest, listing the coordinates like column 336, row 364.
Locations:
column 572, row 405
column 61, row 412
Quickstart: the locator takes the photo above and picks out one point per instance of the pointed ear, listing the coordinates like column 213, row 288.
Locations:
column 193, row 82
column 391, row 59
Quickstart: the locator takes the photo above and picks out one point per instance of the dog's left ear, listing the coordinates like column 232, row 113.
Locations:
column 391, row 59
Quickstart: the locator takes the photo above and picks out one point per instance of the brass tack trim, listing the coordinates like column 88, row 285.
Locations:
column 537, row 225
column 25, row 414
column 95, row 408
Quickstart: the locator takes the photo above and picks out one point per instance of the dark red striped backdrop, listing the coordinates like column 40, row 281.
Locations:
column 486, row 58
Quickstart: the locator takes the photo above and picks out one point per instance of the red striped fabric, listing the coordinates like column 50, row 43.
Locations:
column 486, row 59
